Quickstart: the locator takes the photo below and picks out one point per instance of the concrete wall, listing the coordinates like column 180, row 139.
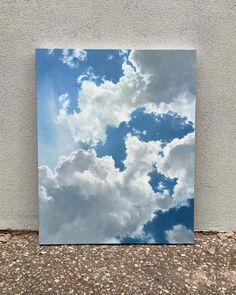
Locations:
column 208, row 26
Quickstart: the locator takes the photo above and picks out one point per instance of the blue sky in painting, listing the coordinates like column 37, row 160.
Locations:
column 165, row 221
column 55, row 78
column 146, row 127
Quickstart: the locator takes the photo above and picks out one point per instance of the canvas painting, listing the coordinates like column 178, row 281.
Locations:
column 116, row 131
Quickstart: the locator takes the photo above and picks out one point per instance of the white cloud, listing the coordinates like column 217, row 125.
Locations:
column 72, row 57
column 64, row 99
column 88, row 75
column 179, row 234
column 100, row 106
column 123, row 52
column 88, row 200
column 183, row 105
column 110, row 57
column 50, row 51
column 178, row 162
column 164, row 81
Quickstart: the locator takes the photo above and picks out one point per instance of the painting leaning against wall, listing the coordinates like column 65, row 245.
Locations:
column 116, row 131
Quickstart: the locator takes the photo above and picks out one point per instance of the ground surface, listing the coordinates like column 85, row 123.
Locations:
column 208, row 267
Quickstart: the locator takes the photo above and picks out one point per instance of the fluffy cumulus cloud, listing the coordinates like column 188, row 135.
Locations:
column 88, row 196
column 102, row 106
column 88, row 200
column 178, row 162
column 179, row 234
column 161, row 81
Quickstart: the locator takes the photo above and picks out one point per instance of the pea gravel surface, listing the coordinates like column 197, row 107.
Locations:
column 207, row 267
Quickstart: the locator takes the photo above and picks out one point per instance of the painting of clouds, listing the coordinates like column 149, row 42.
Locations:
column 116, row 132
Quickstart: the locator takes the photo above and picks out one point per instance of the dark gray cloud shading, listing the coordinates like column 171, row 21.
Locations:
column 168, row 74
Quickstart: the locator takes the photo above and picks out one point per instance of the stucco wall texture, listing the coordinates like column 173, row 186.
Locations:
column 208, row 26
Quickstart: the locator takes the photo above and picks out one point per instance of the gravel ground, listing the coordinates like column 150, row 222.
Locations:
column 208, row 267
